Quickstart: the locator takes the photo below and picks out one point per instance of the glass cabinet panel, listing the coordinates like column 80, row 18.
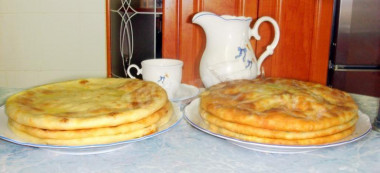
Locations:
column 136, row 33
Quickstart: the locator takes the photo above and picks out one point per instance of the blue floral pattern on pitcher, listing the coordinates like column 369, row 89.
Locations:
column 242, row 54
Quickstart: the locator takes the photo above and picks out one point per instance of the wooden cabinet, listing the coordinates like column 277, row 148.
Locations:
column 302, row 52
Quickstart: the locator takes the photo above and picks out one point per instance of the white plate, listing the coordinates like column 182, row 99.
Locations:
column 363, row 127
column 7, row 135
column 185, row 92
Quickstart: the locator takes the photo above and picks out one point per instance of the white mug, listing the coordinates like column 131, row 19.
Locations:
column 165, row 72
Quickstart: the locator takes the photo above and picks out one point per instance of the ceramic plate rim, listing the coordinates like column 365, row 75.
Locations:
column 187, row 97
column 295, row 147
column 177, row 117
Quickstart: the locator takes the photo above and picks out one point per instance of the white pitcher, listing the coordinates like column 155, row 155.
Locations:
column 229, row 54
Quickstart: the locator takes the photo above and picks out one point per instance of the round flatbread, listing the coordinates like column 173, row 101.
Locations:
column 161, row 116
column 279, row 104
column 276, row 134
column 87, row 141
column 86, row 103
column 311, row 141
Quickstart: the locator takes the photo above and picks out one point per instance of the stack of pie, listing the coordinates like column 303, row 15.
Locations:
column 88, row 111
column 279, row 111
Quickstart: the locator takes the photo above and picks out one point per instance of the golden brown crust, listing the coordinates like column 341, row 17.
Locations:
column 86, row 103
column 276, row 134
column 87, row 141
column 311, row 141
column 279, row 104
column 161, row 115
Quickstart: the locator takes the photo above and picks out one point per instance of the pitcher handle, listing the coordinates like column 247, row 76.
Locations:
column 270, row 48
column 139, row 71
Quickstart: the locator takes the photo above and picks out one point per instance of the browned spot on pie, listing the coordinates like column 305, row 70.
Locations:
column 37, row 109
column 151, row 131
column 83, row 82
column 46, row 104
column 100, row 110
column 69, row 113
column 47, row 92
column 64, row 120
column 30, row 93
column 112, row 114
column 25, row 101
column 135, row 104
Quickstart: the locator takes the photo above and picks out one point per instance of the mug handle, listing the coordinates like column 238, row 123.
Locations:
column 139, row 70
column 255, row 33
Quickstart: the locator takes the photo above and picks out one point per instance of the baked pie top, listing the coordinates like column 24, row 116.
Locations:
column 279, row 104
column 86, row 103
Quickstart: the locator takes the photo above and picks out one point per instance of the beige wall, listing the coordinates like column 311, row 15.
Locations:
column 43, row 41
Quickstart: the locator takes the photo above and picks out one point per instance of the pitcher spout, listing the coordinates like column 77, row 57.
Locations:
column 203, row 18
column 208, row 19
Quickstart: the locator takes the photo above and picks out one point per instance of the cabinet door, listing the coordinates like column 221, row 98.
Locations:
column 302, row 52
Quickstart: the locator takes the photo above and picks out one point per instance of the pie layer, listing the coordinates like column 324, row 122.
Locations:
column 87, row 141
column 123, row 133
column 279, row 104
column 311, row 141
column 161, row 116
column 86, row 103
column 266, row 133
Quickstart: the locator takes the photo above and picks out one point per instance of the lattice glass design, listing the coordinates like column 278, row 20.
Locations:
column 135, row 33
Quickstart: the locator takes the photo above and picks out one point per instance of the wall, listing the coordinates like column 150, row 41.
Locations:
column 43, row 41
